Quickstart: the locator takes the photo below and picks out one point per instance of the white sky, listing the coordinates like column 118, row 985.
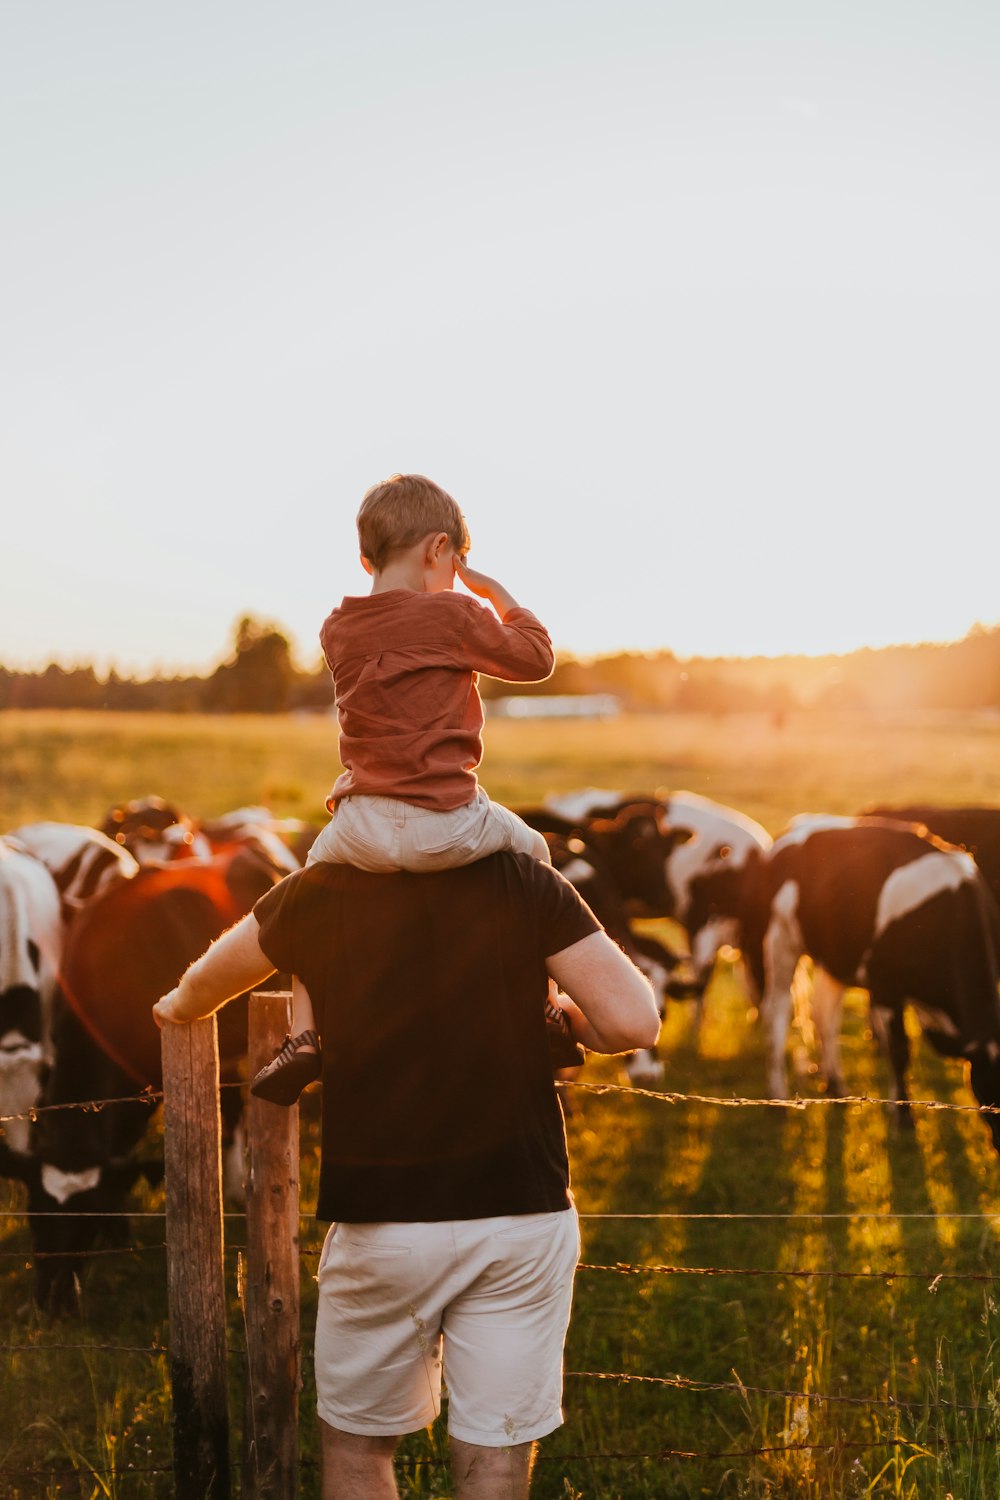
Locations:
column 692, row 306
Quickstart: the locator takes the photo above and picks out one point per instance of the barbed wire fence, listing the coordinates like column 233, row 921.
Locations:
column 932, row 1278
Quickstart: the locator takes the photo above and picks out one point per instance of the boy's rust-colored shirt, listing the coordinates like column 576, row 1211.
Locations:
column 405, row 667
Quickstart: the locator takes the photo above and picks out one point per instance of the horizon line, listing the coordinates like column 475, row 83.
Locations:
column 103, row 666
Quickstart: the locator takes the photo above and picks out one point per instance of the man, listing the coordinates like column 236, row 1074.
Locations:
column 444, row 1168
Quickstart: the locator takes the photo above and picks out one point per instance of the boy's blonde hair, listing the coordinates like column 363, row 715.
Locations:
column 401, row 511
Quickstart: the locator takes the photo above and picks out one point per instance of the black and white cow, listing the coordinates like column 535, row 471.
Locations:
column 48, row 871
column 886, row 908
column 31, row 933
column 82, row 861
column 82, row 1163
column 707, row 875
column 122, row 951
column 974, row 828
column 583, row 866
column 711, row 849
column 157, row 832
column 630, row 834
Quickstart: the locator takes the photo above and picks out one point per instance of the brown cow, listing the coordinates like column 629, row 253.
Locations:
column 123, row 951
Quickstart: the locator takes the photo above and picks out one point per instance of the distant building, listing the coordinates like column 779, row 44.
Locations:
column 555, row 706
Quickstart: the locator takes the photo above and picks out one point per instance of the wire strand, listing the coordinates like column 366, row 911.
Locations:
column 686, row 1383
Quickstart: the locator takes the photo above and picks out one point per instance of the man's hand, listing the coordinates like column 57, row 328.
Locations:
column 165, row 1008
column 485, row 587
column 233, row 964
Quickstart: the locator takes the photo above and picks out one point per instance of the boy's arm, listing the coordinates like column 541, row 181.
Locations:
column 233, row 964
column 516, row 647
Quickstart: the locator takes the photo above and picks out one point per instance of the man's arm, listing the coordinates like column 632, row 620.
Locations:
column 234, row 963
column 611, row 1007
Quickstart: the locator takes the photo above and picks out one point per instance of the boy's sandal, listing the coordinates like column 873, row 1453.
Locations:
column 288, row 1072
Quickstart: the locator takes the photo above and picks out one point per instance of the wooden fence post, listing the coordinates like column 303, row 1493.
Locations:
column 195, row 1285
column 271, row 1283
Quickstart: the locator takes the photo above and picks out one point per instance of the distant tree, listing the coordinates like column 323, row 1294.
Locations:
column 258, row 678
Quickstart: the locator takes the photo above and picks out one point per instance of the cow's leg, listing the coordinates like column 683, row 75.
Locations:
column 827, row 1009
column 644, row 1068
column 890, row 1027
column 781, row 949
column 233, row 1146
column 21, row 1077
column 776, row 1012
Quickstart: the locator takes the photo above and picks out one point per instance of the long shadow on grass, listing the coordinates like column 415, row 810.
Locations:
column 694, row 1159
column 622, row 1323
column 943, row 1315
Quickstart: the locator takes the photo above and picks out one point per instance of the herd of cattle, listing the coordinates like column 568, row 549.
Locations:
column 95, row 924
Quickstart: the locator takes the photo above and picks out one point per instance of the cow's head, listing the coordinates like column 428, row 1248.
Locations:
column 636, row 842
column 155, row 832
column 23, row 1065
column 70, row 1208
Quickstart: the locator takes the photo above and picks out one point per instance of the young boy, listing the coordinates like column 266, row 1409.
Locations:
column 405, row 660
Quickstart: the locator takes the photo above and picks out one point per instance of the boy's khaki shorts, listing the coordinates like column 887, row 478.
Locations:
column 382, row 834
column 492, row 1295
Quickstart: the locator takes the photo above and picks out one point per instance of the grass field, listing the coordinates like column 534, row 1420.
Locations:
column 793, row 1302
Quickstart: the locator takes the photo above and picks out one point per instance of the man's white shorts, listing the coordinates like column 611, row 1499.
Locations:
column 493, row 1295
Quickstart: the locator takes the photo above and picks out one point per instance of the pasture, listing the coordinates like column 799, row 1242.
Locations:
column 772, row 1302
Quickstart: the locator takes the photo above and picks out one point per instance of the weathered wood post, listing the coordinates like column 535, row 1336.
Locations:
column 271, row 1283
column 195, row 1286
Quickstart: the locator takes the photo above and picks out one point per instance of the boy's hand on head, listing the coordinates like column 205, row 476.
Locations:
column 485, row 587
column 477, row 583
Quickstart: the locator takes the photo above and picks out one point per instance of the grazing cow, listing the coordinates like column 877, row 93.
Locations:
column 275, row 839
column 82, row 1166
column 707, row 875
column 156, row 832
column 82, row 861
column 711, row 850
column 632, row 836
column 31, row 932
column 123, row 951
column 974, row 828
column 583, row 867
column 884, row 907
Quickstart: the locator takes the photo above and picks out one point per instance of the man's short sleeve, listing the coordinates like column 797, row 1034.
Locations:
column 563, row 915
column 275, row 913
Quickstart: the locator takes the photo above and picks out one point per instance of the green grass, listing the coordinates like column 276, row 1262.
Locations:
column 909, row 1352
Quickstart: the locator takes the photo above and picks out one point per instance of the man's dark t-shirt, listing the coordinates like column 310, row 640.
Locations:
column 428, row 990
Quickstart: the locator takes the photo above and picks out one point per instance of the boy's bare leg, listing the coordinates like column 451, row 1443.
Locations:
column 491, row 1473
column 302, row 1011
column 356, row 1467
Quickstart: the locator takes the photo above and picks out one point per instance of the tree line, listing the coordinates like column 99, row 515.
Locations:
column 260, row 675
